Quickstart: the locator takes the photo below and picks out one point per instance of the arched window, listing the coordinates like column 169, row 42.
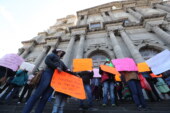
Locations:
column 98, row 58
column 148, row 52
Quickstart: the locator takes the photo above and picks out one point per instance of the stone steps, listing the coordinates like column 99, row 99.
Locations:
column 72, row 107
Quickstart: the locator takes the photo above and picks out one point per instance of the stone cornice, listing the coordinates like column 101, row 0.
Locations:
column 29, row 41
column 43, row 33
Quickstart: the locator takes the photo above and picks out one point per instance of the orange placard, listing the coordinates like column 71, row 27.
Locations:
column 68, row 84
column 155, row 76
column 111, row 70
column 143, row 67
column 82, row 64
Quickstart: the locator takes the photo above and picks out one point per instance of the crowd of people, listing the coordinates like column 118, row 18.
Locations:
column 106, row 88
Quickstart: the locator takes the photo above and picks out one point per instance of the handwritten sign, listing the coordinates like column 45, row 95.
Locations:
column 160, row 62
column 125, row 64
column 68, row 84
column 109, row 69
column 27, row 66
column 96, row 73
column 82, row 64
column 143, row 67
column 155, row 76
column 11, row 61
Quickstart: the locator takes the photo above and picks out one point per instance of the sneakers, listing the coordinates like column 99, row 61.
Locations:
column 104, row 105
column 139, row 108
column 113, row 105
column 18, row 102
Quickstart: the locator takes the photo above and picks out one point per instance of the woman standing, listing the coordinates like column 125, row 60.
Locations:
column 44, row 90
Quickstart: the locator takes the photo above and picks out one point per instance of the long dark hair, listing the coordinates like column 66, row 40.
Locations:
column 56, row 52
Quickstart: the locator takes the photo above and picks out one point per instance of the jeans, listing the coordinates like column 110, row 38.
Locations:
column 89, row 96
column 28, row 88
column 44, row 90
column 136, row 91
column 59, row 104
column 108, row 87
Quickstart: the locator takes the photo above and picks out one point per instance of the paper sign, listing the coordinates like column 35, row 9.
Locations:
column 68, row 84
column 160, row 62
column 143, row 67
column 125, row 64
column 27, row 66
column 109, row 69
column 82, row 64
column 155, row 76
column 96, row 73
column 11, row 61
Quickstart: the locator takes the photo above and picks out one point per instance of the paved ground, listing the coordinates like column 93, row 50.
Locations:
column 72, row 107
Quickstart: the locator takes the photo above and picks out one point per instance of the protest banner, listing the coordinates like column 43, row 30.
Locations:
column 143, row 67
column 11, row 61
column 160, row 62
column 68, row 84
column 125, row 64
column 27, row 66
column 96, row 73
column 85, row 64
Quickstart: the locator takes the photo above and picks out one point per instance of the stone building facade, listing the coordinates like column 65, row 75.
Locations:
column 135, row 28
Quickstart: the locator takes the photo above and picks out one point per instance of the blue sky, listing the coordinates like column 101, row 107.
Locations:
column 21, row 20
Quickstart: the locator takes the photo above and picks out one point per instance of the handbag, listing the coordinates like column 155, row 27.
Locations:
column 36, row 78
column 145, row 85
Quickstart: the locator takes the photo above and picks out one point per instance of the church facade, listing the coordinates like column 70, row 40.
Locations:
column 138, row 29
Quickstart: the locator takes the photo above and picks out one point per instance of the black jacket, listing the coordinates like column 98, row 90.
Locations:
column 86, row 76
column 53, row 61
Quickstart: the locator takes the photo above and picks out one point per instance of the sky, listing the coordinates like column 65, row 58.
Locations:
column 21, row 20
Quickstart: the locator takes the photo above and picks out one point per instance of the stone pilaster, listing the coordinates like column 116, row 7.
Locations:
column 40, row 58
column 69, row 50
column 42, row 63
column 162, row 34
column 134, row 13
column 116, row 46
column 27, row 50
column 134, row 52
column 159, row 6
column 81, row 47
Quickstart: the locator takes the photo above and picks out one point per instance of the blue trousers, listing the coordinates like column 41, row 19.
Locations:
column 44, row 90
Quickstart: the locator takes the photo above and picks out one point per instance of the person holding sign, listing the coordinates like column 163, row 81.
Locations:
column 44, row 90
column 86, row 76
column 108, row 81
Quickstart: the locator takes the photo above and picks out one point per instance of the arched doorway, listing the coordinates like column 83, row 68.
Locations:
column 99, row 57
column 148, row 52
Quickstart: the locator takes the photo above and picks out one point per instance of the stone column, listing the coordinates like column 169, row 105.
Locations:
column 25, row 53
column 84, row 20
column 20, row 51
column 116, row 46
column 80, row 47
column 78, row 20
column 162, row 7
column 69, row 50
column 134, row 52
column 135, row 14
column 165, row 36
column 43, row 65
column 40, row 58
column 111, row 15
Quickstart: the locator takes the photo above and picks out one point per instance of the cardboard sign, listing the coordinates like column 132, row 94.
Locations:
column 11, row 61
column 155, row 76
column 109, row 69
column 96, row 73
column 82, row 64
column 160, row 62
column 27, row 66
column 125, row 64
column 143, row 67
column 68, row 84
